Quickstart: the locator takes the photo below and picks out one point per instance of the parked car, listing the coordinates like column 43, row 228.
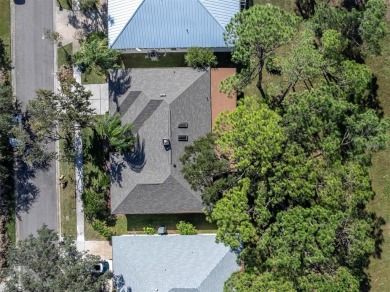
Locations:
column 101, row 267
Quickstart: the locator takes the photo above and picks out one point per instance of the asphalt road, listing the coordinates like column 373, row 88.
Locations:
column 33, row 59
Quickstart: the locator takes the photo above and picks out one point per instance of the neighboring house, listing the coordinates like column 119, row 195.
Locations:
column 169, row 25
column 174, row 263
column 169, row 109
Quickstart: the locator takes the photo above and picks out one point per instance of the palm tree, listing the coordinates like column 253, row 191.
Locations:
column 114, row 136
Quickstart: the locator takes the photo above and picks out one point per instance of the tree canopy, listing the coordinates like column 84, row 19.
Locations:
column 255, row 34
column 44, row 263
column 95, row 52
column 285, row 176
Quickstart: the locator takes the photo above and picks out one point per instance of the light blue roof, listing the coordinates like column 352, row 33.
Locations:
column 159, row 24
column 173, row 263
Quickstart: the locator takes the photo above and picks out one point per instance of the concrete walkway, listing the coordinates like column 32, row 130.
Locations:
column 79, row 184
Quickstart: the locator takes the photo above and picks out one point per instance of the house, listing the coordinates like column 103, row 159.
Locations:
column 169, row 108
column 173, row 263
column 169, row 25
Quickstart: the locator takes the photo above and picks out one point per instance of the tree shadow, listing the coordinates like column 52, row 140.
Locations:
column 5, row 62
column 377, row 235
column 92, row 20
column 119, row 83
column 373, row 101
column 136, row 159
column 116, row 168
column 120, row 284
column 26, row 192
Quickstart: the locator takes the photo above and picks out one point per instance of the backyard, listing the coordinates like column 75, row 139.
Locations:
column 380, row 172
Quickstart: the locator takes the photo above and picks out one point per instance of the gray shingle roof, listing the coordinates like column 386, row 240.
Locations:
column 150, row 180
column 173, row 263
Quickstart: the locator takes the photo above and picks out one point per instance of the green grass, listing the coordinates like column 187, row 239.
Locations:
column 170, row 60
column 5, row 36
column 379, row 269
column 288, row 5
column 64, row 55
column 95, row 76
column 136, row 223
column 65, row 4
column 139, row 60
column 68, row 199
column 5, row 27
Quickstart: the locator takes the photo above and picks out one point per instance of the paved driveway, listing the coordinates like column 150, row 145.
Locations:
column 33, row 58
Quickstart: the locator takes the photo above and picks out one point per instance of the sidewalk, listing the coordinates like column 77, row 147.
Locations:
column 70, row 25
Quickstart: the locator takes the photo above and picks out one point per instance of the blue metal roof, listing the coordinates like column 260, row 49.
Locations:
column 161, row 24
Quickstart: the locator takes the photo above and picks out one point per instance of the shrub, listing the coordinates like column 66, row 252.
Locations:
column 102, row 228
column 186, row 228
column 149, row 230
column 87, row 4
column 200, row 58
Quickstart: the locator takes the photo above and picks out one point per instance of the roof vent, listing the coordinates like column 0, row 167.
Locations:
column 163, row 95
column 183, row 125
column 182, row 138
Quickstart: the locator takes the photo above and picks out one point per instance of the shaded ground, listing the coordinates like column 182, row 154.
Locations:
column 68, row 197
column 379, row 268
column 64, row 55
column 142, row 60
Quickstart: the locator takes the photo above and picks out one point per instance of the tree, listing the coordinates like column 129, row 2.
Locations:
column 87, row 4
column 52, row 116
column 43, row 263
column 200, row 58
column 114, row 136
column 373, row 25
column 296, row 202
column 94, row 52
column 255, row 34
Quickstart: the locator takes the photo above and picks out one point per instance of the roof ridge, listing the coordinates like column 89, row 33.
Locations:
column 186, row 88
column 208, row 11
column 135, row 12
column 192, row 194
column 226, row 254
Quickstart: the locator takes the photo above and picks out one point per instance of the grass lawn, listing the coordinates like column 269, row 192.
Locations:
column 5, row 36
column 68, row 199
column 380, row 174
column 65, row 4
column 288, row 5
column 5, row 27
column 65, row 55
column 170, row 60
column 139, row 60
column 136, row 223
column 93, row 77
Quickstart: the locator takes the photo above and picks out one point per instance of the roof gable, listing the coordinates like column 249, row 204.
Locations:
column 153, row 24
column 222, row 10
column 119, row 13
column 172, row 263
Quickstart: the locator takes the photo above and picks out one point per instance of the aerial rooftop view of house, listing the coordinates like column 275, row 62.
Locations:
column 173, row 263
column 169, row 108
column 136, row 25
